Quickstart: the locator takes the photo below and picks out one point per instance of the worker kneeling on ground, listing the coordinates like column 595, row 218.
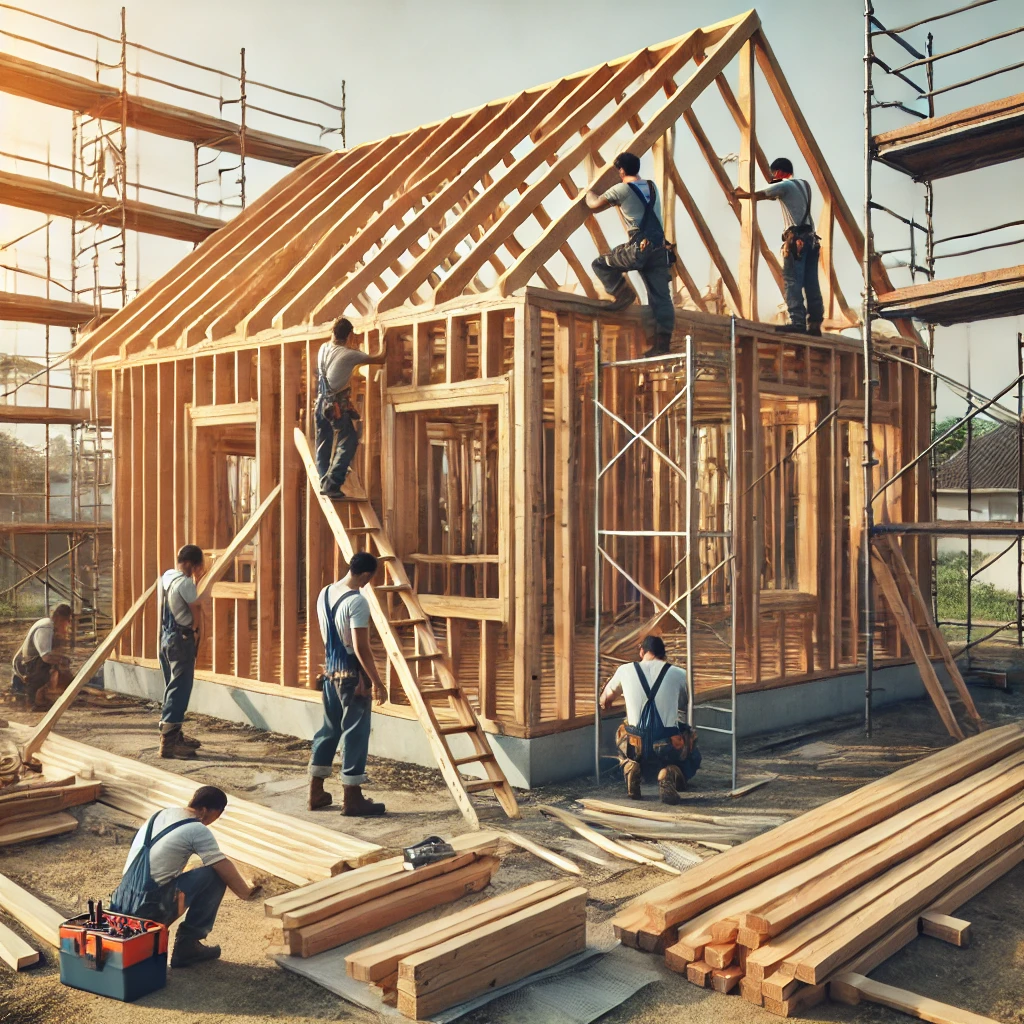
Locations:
column 653, row 741
column 155, row 885
column 344, row 616
column 39, row 672
column 646, row 251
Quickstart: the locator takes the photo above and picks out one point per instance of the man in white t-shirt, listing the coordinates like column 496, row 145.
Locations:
column 344, row 616
column 39, row 671
column 177, row 834
column 336, row 434
column 182, row 619
column 645, row 252
column 800, row 247
column 654, row 740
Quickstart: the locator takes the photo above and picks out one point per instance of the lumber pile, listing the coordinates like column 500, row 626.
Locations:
column 34, row 915
column 34, row 809
column 332, row 912
column 841, row 888
column 484, row 947
column 267, row 840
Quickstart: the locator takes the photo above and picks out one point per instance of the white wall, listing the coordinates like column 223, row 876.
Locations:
column 985, row 505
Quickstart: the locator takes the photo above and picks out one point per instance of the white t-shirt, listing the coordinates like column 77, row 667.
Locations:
column 168, row 856
column 353, row 613
column 794, row 196
column 628, row 202
column 671, row 696
column 336, row 363
column 179, row 592
column 39, row 638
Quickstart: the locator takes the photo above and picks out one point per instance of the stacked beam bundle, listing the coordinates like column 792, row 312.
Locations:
column 842, row 887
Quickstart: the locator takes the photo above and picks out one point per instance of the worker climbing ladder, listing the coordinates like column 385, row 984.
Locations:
column 426, row 679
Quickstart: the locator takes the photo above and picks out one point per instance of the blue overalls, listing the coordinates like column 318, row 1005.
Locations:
column 346, row 714
column 178, row 662
column 336, row 436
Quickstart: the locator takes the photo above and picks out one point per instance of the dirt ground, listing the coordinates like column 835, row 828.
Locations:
column 244, row 986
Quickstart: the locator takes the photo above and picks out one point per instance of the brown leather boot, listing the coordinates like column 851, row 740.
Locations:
column 189, row 951
column 171, row 746
column 631, row 773
column 318, row 796
column 188, row 741
column 355, row 805
column 671, row 782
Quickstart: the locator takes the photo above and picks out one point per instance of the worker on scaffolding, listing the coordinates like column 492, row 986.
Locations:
column 344, row 616
column 646, row 252
column 800, row 247
column 655, row 740
column 39, row 671
column 182, row 622
column 337, row 435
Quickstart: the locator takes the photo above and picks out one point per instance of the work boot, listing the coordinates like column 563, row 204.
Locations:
column 318, row 796
column 661, row 347
column 622, row 297
column 790, row 329
column 631, row 773
column 814, row 330
column 188, row 741
column 355, row 805
column 172, row 746
column 671, row 781
column 189, row 951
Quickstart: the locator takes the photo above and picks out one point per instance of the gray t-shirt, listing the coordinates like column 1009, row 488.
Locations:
column 168, row 856
column 628, row 202
column 39, row 640
column 336, row 363
column 353, row 613
column 795, row 197
column 179, row 592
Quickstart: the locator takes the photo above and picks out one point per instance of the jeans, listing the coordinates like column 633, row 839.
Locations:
column 800, row 277
column 178, row 661
column 336, row 443
column 654, row 270
column 203, row 889
column 346, row 721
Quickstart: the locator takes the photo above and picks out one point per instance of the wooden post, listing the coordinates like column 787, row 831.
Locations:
column 267, row 469
column 565, row 516
column 528, row 516
column 747, row 182
column 315, row 528
column 291, row 369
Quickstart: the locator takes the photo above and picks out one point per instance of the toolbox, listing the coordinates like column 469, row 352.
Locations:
column 113, row 955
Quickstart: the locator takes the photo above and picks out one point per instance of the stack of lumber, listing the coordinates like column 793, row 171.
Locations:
column 34, row 915
column 840, row 888
column 335, row 911
column 34, row 809
column 279, row 844
column 480, row 949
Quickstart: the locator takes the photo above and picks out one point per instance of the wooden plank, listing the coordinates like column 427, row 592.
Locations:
column 747, row 168
column 374, row 963
column 15, row 951
column 720, row 954
column 291, row 482
column 85, row 673
column 724, row 980
column 29, row 804
column 556, row 859
column 267, row 469
column 565, row 513
column 399, row 906
column 30, row 911
column 698, row 973
column 853, row 988
column 35, row 309
column 949, row 929
column 13, row 832
column 803, row 999
column 750, row 991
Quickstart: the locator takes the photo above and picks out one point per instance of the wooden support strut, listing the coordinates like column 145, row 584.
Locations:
column 436, row 731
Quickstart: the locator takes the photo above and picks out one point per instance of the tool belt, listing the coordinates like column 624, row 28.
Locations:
column 674, row 744
column 798, row 239
column 339, row 404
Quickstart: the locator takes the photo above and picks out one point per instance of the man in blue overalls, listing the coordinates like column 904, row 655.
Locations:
column 337, row 436
column 181, row 627
column 344, row 616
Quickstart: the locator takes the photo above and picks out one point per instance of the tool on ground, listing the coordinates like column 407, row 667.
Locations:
column 429, row 851
column 113, row 955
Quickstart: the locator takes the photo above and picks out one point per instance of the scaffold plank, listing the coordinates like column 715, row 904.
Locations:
column 34, row 309
column 42, row 414
column 957, row 300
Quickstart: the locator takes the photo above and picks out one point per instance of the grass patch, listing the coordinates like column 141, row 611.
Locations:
column 988, row 602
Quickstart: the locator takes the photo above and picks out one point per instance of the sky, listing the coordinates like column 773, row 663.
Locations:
column 407, row 63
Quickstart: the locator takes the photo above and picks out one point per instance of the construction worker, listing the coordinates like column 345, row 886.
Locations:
column 646, row 251
column 156, row 886
column 800, row 248
column 39, row 671
column 182, row 623
column 344, row 616
column 337, row 436
column 653, row 740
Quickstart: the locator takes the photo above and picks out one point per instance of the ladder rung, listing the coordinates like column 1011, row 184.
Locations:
column 343, row 497
column 420, row 657
column 386, row 558
column 361, row 529
column 391, row 588
column 475, row 787
column 418, row 621
column 475, row 759
column 451, row 730
column 438, row 691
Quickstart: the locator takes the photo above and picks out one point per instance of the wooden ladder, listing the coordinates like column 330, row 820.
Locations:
column 890, row 568
column 409, row 665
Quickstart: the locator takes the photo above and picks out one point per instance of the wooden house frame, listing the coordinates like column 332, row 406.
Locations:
column 464, row 245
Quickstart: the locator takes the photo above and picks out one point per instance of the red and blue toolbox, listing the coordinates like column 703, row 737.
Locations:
column 113, row 955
